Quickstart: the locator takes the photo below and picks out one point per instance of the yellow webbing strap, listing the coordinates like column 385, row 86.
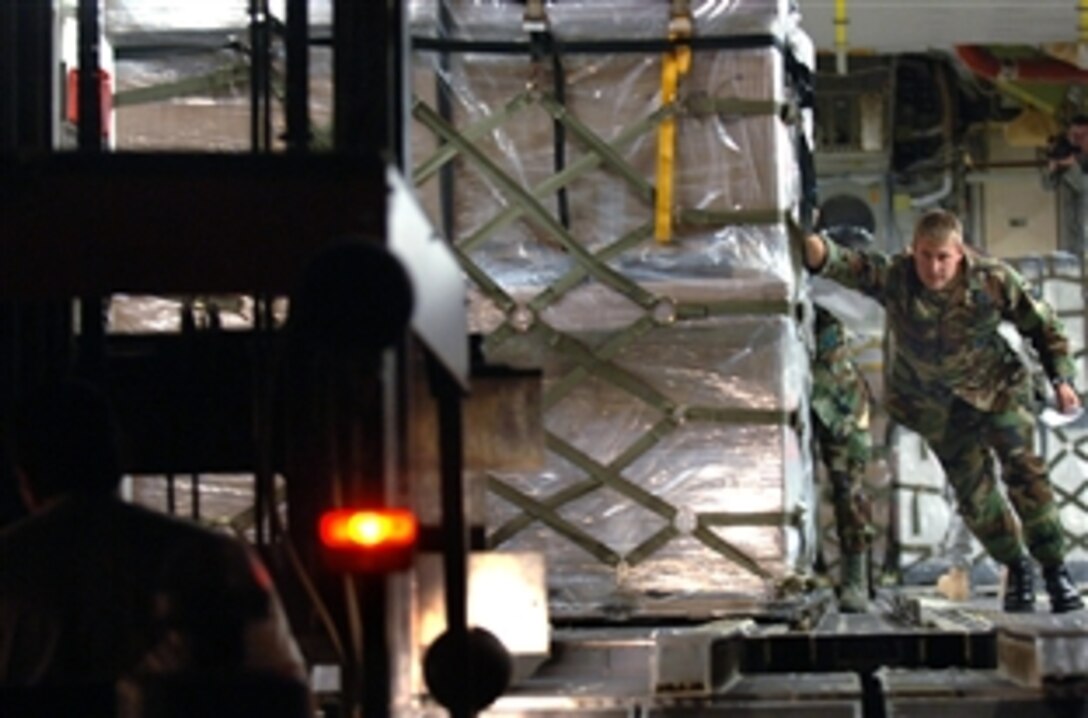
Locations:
column 674, row 65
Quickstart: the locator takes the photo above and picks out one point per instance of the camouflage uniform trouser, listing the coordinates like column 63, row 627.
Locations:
column 962, row 437
column 840, row 413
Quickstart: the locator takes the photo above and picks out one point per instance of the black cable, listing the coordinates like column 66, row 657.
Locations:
column 543, row 44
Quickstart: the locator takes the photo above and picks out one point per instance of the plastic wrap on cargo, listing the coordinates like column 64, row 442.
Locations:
column 699, row 469
column 165, row 84
column 724, row 165
column 181, row 75
column 149, row 314
column 143, row 16
column 726, row 162
column 678, row 463
column 741, row 263
column 594, row 19
column 736, row 362
column 860, row 314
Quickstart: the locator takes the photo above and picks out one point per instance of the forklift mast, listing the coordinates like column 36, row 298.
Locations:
column 375, row 296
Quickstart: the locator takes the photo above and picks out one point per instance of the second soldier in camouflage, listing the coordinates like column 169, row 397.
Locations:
column 840, row 411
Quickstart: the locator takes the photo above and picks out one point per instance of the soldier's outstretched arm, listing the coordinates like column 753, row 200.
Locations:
column 1036, row 320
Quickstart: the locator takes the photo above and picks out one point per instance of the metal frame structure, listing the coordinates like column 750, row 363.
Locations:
column 91, row 223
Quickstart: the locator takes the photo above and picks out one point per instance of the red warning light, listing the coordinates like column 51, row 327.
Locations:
column 368, row 540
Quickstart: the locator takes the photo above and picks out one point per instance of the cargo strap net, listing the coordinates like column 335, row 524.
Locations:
column 584, row 361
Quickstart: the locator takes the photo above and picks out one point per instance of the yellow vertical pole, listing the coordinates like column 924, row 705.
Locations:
column 1082, row 21
column 674, row 65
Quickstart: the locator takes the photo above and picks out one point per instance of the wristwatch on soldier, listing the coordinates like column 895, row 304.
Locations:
column 1059, row 380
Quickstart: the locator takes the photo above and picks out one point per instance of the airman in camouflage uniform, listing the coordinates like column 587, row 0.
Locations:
column 957, row 383
column 840, row 411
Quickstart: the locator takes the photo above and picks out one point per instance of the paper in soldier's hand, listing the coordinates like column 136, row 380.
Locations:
column 1055, row 419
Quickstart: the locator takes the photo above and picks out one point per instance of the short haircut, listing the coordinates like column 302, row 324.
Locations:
column 66, row 440
column 1078, row 119
column 939, row 225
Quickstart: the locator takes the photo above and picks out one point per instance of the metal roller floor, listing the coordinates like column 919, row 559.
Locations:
column 912, row 655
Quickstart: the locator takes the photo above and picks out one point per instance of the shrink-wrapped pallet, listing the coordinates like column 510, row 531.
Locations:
column 699, row 466
column 675, row 371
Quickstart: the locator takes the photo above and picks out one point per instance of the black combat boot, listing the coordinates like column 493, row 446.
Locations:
column 1019, row 587
column 1064, row 595
column 854, row 584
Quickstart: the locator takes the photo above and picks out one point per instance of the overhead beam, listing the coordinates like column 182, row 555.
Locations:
column 175, row 223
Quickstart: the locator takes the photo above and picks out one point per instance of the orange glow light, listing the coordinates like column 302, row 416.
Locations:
column 348, row 529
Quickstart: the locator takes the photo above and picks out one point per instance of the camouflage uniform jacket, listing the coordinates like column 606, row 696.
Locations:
column 946, row 344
